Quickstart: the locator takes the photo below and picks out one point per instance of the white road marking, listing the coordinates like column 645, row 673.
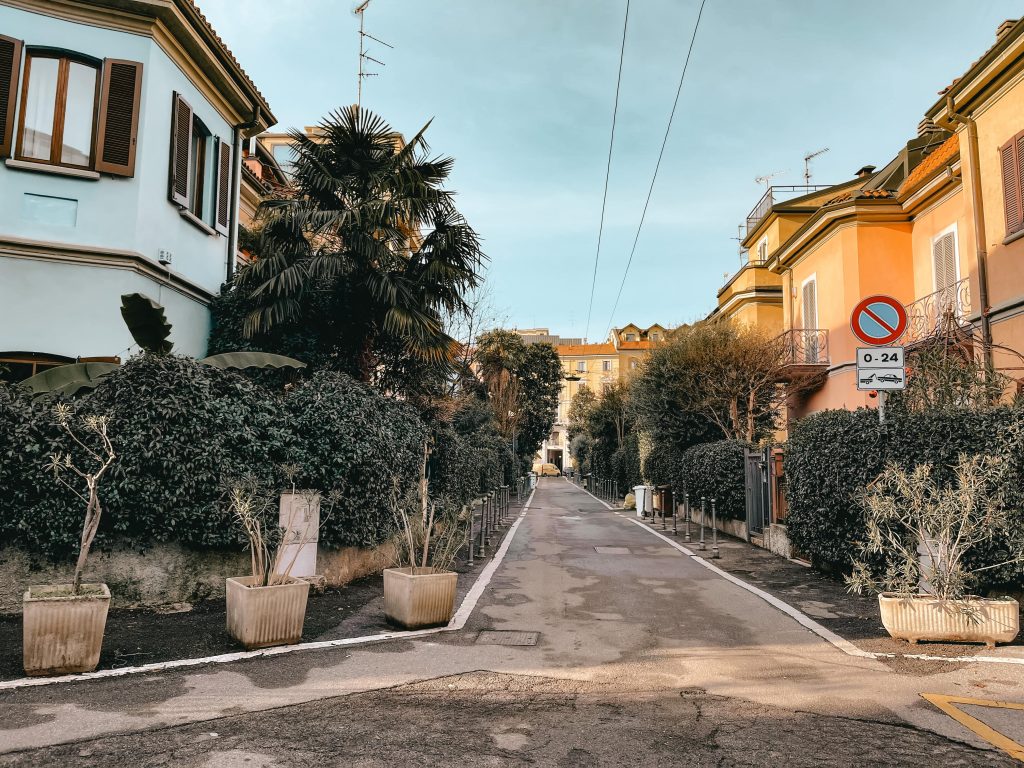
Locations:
column 801, row 618
column 458, row 622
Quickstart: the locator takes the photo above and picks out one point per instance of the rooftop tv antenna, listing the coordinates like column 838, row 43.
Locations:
column 360, row 11
column 807, row 163
column 766, row 179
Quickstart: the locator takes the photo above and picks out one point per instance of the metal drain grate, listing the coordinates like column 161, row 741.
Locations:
column 507, row 637
column 612, row 550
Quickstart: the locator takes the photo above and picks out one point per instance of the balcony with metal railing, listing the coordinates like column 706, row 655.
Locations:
column 938, row 312
column 805, row 347
column 779, row 194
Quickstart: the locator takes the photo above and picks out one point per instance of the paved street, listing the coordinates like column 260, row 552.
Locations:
column 643, row 657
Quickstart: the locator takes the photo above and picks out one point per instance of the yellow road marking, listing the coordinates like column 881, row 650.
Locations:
column 984, row 731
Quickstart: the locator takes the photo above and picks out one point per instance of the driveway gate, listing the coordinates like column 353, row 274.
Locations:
column 759, row 496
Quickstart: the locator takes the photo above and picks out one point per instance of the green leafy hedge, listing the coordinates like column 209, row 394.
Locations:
column 831, row 457
column 183, row 430
column 715, row 471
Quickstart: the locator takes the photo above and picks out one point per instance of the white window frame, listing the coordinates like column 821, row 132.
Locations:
column 952, row 228
column 803, row 310
column 763, row 243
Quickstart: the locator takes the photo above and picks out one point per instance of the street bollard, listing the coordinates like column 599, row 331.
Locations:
column 686, row 495
column 702, row 546
column 714, row 531
column 615, row 492
column 471, row 514
column 675, row 514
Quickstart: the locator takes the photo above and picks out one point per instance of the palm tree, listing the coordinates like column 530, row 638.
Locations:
column 367, row 245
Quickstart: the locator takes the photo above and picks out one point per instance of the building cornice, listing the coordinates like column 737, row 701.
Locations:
column 999, row 64
column 85, row 255
column 858, row 210
column 178, row 28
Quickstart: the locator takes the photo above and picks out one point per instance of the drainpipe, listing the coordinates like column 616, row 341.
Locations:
column 979, row 224
column 237, row 132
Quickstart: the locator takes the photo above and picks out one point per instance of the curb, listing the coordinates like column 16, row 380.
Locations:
column 457, row 622
column 799, row 616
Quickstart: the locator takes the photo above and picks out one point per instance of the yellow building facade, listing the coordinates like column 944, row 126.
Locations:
column 595, row 366
column 940, row 228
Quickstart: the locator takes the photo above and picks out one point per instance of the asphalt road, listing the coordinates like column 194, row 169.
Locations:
column 643, row 657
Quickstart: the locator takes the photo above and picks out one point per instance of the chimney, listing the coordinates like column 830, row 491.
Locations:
column 926, row 126
column 866, row 171
column 1005, row 28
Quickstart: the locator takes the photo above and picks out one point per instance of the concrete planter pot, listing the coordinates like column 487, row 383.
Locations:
column 419, row 597
column 925, row 617
column 259, row 617
column 63, row 633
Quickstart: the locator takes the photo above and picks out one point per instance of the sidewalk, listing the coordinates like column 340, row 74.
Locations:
column 135, row 637
column 824, row 598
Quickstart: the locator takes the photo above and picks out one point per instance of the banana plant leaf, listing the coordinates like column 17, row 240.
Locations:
column 68, row 379
column 147, row 323
column 251, row 360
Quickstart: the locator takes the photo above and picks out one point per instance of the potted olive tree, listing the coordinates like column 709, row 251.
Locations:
column 917, row 555
column 420, row 590
column 268, row 607
column 63, row 624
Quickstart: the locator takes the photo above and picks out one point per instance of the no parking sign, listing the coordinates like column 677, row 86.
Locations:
column 879, row 320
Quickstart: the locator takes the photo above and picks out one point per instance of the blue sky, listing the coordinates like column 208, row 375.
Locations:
column 521, row 94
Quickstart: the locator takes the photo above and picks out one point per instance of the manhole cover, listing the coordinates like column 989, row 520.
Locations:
column 612, row 550
column 507, row 637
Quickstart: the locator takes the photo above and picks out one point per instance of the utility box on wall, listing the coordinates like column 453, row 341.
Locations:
column 300, row 524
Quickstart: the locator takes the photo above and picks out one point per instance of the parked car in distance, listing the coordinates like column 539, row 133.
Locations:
column 547, row 470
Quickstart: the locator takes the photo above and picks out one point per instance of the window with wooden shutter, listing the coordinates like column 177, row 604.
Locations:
column 10, row 67
column 223, row 213
column 118, row 127
column 181, row 150
column 944, row 259
column 810, row 314
column 1011, row 160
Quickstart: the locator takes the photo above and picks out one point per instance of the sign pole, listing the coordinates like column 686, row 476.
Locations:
column 881, row 406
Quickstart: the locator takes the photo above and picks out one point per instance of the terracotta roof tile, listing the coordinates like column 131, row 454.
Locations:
column 568, row 350
column 945, row 152
column 227, row 51
column 860, row 194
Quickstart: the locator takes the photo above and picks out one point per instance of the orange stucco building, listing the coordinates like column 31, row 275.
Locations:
column 927, row 229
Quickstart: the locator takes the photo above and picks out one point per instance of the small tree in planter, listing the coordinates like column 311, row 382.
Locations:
column 64, row 623
column 420, row 590
column 923, row 533
column 269, row 606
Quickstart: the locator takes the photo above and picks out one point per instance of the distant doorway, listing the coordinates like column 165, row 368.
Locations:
column 555, row 457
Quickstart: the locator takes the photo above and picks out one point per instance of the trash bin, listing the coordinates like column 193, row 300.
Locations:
column 533, row 480
column 644, row 500
column 663, row 500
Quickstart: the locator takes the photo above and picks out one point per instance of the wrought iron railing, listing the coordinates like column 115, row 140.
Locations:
column 778, row 194
column 945, row 308
column 805, row 346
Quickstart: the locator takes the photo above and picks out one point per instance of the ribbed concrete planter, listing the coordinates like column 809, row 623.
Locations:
column 63, row 633
column 419, row 597
column 259, row 617
column 924, row 617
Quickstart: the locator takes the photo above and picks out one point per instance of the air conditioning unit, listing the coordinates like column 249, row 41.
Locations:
column 165, row 257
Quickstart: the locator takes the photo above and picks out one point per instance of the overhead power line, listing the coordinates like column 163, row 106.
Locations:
column 657, row 165
column 608, row 171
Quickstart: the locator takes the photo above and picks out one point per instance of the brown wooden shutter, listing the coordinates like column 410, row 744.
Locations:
column 10, row 67
column 181, row 151
column 224, row 202
column 1011, row 185
column 117, row 130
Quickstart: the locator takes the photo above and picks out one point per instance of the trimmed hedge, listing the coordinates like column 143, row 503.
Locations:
column 832, row 456
column 183, row 431
column 715, row 471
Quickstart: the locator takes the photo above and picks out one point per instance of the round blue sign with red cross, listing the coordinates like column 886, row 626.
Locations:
column 879, row 320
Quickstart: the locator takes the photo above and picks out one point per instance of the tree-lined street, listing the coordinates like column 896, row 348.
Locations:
column 640, row 651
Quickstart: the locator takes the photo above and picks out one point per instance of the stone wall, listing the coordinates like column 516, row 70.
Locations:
column 167, row 573
column 776, row 539
column 737, row 528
